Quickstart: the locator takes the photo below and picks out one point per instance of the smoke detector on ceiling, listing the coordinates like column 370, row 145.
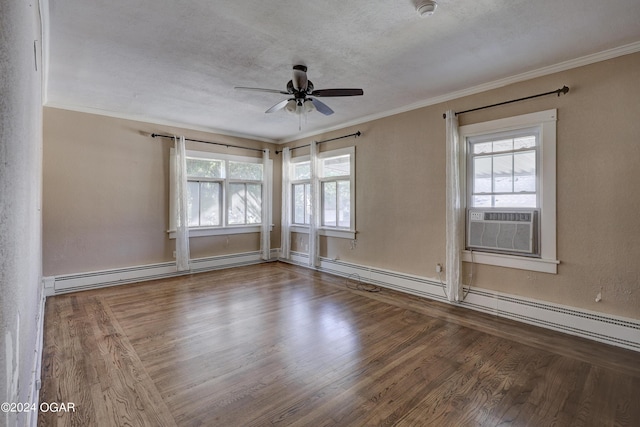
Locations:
column 425, row 7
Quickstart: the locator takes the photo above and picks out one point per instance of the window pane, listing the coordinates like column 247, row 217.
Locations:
column 524, row 168
column 485, row 147
column 237, row 203
column 254, row 203
column 329, row 204
column 503, row 173
column 515, row 201
column 301, row 171
column 243, row 170
column 482, row 175
column 205, row 168
column 344, row 204
column 503, row 145
column 193, row 202
column 524, row 142
column 299, row 205
column 336, row 166
column 209, row 203
column 481, row 201
column 307, row 196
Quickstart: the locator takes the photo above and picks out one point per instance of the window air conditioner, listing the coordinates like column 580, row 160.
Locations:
column 511, row 231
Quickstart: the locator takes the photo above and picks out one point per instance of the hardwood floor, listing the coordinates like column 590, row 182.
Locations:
column 275, row 344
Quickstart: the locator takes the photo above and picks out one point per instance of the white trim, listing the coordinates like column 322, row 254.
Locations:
column 540, row 72
column 338, row 233
column 36, row 380
column 45, row 22
column 103, row 278
column 512, row 261
column 156, row 121
column 546, row 122
column 606, row 328
column 220, row 231
column 329, row 232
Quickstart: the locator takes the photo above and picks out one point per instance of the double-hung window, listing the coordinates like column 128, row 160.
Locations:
column 336, row 198
column 503, row 169
column 225, row 194
column 301, row 191
column 335, row 176
column 510, row 169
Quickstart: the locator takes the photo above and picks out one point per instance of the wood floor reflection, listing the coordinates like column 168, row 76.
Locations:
column 275, row 344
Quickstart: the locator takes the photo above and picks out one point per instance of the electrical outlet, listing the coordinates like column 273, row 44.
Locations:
column 174, row 254
column 438, row 268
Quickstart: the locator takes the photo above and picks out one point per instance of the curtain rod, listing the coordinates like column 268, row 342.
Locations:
column 562, row 90
column 357, row 134
column 156, row 135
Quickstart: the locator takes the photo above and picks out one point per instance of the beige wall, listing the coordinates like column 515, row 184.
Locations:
column 106, row 190
column 106, row 193
column 400, row 189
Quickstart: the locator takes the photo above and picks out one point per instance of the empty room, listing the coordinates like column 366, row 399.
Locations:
column 338, row 213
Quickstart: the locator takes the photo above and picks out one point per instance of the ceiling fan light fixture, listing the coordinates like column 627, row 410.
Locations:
column 426, row 8
column 291, row 106
column 308, row 106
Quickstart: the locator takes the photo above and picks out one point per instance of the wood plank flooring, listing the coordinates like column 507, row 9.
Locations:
column 275, row 344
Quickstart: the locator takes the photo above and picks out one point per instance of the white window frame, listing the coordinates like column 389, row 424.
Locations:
column 298, row 228
column 339, row 232
column 223, row 229
column 545, row 121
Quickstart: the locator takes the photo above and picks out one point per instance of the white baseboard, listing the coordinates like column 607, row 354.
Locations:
column 606, row 328
column 55, row 285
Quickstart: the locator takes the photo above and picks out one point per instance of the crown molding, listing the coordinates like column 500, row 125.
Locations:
column 155, row 121
column 540, row 72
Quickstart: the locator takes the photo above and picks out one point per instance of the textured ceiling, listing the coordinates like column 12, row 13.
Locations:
column 178, row 61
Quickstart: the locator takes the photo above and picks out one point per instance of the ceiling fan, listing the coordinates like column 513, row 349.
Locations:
column 303, row 94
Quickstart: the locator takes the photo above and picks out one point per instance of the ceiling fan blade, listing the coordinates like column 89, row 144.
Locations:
column 257, row 89
column 337, row 92
column 279, row 106
column 321, row 107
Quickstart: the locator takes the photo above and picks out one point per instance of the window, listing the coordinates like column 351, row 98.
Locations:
column 510, row 163
column 301, row 191
column 335, row 189
column 224, row 194
column 336, row 181
column 502, row 168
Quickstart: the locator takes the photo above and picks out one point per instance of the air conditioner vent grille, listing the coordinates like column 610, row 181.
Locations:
column 508, row 216
column 503, row 231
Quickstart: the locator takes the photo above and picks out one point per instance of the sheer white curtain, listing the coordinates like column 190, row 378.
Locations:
column 181, row 206
column 454, row 212
column 314, row 241
column 285, row 239
column 265, row 229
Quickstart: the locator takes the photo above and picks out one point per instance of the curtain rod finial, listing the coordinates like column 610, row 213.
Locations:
column 564, row 90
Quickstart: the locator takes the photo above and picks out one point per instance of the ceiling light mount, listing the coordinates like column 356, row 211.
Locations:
column 425, row 8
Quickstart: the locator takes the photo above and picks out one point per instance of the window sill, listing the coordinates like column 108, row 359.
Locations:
column 329, row 232
column 220, row 231
column 512, row 261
